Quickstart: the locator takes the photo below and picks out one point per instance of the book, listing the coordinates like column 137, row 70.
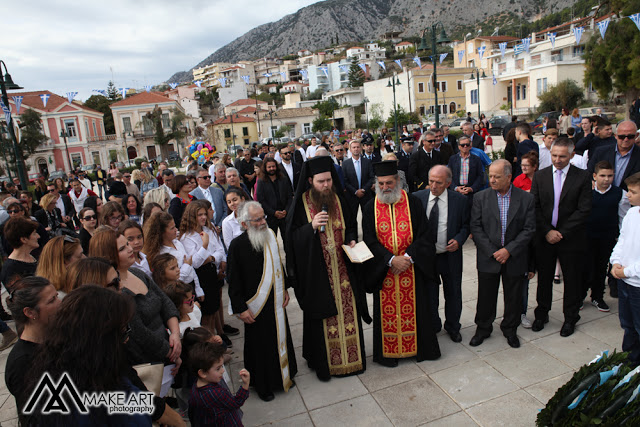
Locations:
column 359, row 253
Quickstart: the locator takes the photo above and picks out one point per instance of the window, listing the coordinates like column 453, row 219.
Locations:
column 535, row 59
column 421, row 87
column 95, row 129
column 273, row 130
column 147, row 126
column 431, row 109
column 429, row 87
column 474, row 96
column 452, row 107
column 96, row 157
column 444, row 109
column 76, row 159
column 556, row 55
column 578, row 51
column 113, row 155
column 227, row 133
column 422, row 110
column 541, row 86
column 460, row 85
column 165, row 120
column 519, row 64
column 524, row 91
column 70, row 127
column 126, row 124
column 246, row 141
column 245, row 131
column 502, row 68
column 306, row 128
column 86, row 128
column 518, row 93
column 442, row 86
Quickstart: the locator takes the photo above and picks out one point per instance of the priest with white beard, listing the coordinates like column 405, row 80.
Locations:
column 258, row 297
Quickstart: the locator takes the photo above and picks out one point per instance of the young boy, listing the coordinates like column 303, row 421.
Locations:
column 625, row 260
column 602, row 232
column 210, row 403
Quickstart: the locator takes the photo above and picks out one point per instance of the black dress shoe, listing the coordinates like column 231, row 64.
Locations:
column 513, row 341
column 476, row 340
column 538, row 324
column 230, row 330
column 455, row 336
column 567, row 329
column 226, row 340
column 267, row 397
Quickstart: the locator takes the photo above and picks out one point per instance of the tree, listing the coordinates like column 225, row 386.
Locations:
column 404, row 118
column 614, row 63
column 31, row 137
column 375, row 111
column 100, row 103
column 161, row 138
column 321, row 124
column 282, row 131
column 112, row 93
column 326, row 108
column 316, row 94
column 565, row 94
column 356, row 75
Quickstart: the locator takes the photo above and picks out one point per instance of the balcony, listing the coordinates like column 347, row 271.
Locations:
column 101, row 138
column 552, row 60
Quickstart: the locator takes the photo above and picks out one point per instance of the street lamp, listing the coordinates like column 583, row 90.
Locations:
column 442, row 38
column 393, row 83
column 366, row 115
column 477, row 77
column 6, row 82
column 4, row 156
column 65, row 135
column 233, row 133
column 124, row 145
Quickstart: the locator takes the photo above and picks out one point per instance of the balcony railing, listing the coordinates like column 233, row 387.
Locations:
column 101, row 138
column 553, row 59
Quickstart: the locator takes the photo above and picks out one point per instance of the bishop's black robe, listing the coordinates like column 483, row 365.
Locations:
column 422, row 251
column 244, row 271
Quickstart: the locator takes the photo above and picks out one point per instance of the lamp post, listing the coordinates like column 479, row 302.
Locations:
column 366, row 115
column 271, row 113
column 393, row 83
column 124, row 145
column 65, row 135
column 6, row 82
column 442, row 38
column 477, row 77
column 334, row 105
column 4, row 156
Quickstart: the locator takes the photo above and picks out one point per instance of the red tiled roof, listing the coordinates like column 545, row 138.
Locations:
column 247, row 110
column 575, row 21
column 227, row 120
column 142, row 98
column 356, row 47
column 33, row 100
column 246, row 102
column 404, row 44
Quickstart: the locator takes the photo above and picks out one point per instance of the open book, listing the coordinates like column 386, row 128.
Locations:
column 359, row 253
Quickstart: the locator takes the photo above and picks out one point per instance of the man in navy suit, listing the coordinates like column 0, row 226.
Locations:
column 404, row 154
column 623, row 155
column 466, row 170
column 422, row 160
column 214, row 195
column 358, row 177
column 449, row 228
column 368, row 151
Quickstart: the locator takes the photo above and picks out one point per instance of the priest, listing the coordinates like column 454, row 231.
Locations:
column 318, row 224
column 258, row 297
column 395, row 229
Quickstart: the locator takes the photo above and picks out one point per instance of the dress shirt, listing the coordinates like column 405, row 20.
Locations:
column 443, row 200
column 464, row 170
column 621, row 165
column 231, row 229
column 187, row 272
column 212, row 171
column 60, row 205
column 288, row 167
column 193, row 246
column 544, row 159
column 207, row 194
column 503, row 206
column 358, row 168
column 143, row 264
column 304, row 155
column 565, row 171
column 429, row 153
column 627, row 249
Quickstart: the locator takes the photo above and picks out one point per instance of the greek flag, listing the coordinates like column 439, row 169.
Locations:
column 6, row 110
column 442, row 56
column 283, row 75
column 518, row 49
column 223, row 81
column 460, row 55
column 364, row 67
column 399, row 62
column 417, row 61
column 325, row 70
column 124, row 91
column 481, row 50
column 636, row 19
column 577, row 32
column 101, row 92
column 245, row 78
column 45, row 98
column 381, row 64
column 304, row 74
column 267, row 75
column 71, row 95
column 552, row 38
column 602, row 26
column 18, row 101
column 197, row 82
column 495, row 81
column 526, row 43
column 173, row 85
column 503, row 49
column 344, row 68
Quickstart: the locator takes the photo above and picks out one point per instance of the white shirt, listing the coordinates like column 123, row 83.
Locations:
column 194, row 320
column 563, row 178
column 187, row 272
column 311, row 151
column 627, row 250
column 143, row 264
column 231, row 229
column 193, row 246
column 60, row 205
column 277, row 157
column 288, row 167
column 544, row 159
column 212, row 170
column 579, row 161
column 169, row 192
column 443, row 215
column 207, row 194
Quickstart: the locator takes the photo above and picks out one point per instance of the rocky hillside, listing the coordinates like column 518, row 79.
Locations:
column 314, row 26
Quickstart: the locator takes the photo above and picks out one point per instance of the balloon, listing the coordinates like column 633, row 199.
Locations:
column 192, row 149
column 194, row 155
column 208, row 146
column 200, row 146
column 201, row 159
column 204, row 152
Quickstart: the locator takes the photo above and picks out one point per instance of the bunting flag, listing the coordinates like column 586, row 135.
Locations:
column 344, row 68
column 267, row 75
column 481, row 50
column 636, row 19
column 18, row 101
column 101, row 92
column 417, row 61
column 148, row 88
column 364, row 67
column 283, row 74
column 577, row 32
column 552, row 38
column 71, row 95
column 526, row 43
column 495, row 81
column 602, row 26
column 223, row 81
column 399, row 62
column 503, row 49
column 460, row 55
column 198, row 83
column 124, row 91
column 173, row 85
column 442, row 56
column 245, row 78
column 381, row 64
column 305, row 74
column 7, row 111
column 45, row 98
column 325, row 70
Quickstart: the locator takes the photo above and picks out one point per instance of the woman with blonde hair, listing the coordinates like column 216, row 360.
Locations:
column 56, row 256
column 50, row 216
column 148, row 182
column 157, row 195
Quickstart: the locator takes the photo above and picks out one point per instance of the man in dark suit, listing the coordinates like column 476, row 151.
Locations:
column 502, row 225
column 449, row 139
column 404, row 154
column 563, row 197
column 368, row 151
column 525, row 145
column 602, row 136
column 421, row 161
column 358, row 178
column 213, row 194
column 274, row 194
column 623, row 155
column 445, row 150
column 449, row 228
column 470, row 179
column 509, row 126
column 476, row 140
column 290, row 168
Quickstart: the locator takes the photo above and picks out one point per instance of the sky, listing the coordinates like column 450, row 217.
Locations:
column 78, row 46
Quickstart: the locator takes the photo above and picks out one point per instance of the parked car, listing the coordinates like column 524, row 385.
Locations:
column 497, row 123
column 58, row 174
column 591, row 111
column 456, row 125
column 5, row 179
column 308, row 136
column 33, row 177
column 536, row 125
column 89, row 168
column 174, row 156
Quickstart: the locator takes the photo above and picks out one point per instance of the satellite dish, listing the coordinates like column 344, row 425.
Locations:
column 495, row 31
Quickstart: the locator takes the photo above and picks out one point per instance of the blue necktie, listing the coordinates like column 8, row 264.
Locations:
column 358, row 172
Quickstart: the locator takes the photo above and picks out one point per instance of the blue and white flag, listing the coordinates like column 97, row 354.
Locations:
column 304, row 73
column 101, row 92
column 45, row 98
column 481, row 50
column 6, row 110
column 442, row 56
column 71, row 95
column 283, row 74
column 381, row 64
column 18, row 101
column 223, row 81
column 148, row 88
column 526, row 43
column 577, row 32
column 399, row 62
column 124, row 91
column 417, row 61
column 364, row 68
column 460, row 55
column 503, row 49
column 552, row 38
column 325, row 70
column 636, row 19
column 518, row 49
column 602, row 26
column 198, row 83
column 173, row 85
column 344, row 68
column 245, row 78
column 495, row 81
column 267, row 74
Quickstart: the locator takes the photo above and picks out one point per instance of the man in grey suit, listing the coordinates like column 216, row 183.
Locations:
column 214, row 195
column 502, row 223
column 448, row 214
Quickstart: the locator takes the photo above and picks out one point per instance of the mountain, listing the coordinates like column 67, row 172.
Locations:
column 313, row 27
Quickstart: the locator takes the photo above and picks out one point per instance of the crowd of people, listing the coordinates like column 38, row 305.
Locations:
column 102, row 283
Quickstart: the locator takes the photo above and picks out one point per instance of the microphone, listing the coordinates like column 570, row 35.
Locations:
column 324, row 209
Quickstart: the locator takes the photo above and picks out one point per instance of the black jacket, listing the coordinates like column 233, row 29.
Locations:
column 419, row 165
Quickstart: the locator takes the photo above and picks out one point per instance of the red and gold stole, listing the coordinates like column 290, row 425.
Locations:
column 341, row 332
column 398, row 296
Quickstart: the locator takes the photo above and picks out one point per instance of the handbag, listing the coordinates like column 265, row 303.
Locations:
column 151, row 376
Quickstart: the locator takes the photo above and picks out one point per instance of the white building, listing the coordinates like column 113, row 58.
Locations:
column 346, row 96
column 381, row 96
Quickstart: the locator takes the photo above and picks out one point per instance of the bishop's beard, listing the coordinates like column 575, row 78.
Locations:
column 258, row 237
column 388, row 197
column 321, row 198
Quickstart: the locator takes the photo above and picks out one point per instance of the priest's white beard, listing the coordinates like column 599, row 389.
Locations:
column 258, row 236
column 388, row 197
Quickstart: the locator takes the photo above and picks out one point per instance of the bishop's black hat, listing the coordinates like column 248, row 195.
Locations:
column 386, row 168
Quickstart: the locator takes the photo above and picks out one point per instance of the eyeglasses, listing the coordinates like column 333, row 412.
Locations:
column 90, row 217
column 115, row 219
column 464, row 145
column 205, row 177
column 127, row 176
column 189, row 301
column 258, row 219
column 115, row 283
column 431, row 140
column 282, row 153
column 630, row 136
column 14, row 211
column 339, row 149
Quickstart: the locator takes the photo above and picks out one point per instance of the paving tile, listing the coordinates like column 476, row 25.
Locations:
column 575, row 350
column 526, row 365
column 607, row 330
column 514, row 409
column 496, row 342
column 377, row 377
column 361, row 411
column 452, row 353
column 415, row 402
column 473, row 382
column 285, row 405
column 553, row 327
column 317, row 394
column 8, row 409
column 546, row 389
column 302, row 420
column 459, row 419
